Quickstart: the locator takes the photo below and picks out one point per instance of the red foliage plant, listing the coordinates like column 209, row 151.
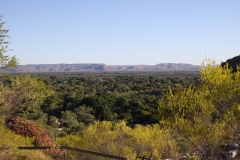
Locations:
column 28, row 128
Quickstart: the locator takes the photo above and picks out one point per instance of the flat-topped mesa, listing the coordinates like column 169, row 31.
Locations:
column 98, row 67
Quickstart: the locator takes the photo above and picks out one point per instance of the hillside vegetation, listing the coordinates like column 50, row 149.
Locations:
column 170, row 114
column 198, row 118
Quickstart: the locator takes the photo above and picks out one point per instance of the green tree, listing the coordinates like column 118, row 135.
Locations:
column 69, row 119
column 24, row 92
column 84, row 114
column 5, row 60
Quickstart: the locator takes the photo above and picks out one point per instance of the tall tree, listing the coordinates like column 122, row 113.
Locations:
column 5, row 60
column 23, row 92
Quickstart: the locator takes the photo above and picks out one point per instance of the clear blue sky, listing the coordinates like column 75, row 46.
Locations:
column 122, row 31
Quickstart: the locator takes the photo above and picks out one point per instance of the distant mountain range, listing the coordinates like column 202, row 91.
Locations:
column 88, row 67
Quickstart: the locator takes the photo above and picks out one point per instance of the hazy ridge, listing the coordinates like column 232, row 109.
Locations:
column 103, row 67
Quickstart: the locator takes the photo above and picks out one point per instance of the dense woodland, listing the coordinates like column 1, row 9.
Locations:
column 82, row 98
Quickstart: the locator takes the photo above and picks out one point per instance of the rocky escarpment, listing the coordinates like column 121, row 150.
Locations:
column 232, row 63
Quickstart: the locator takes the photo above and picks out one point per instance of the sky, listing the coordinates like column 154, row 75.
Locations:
column 122, row 32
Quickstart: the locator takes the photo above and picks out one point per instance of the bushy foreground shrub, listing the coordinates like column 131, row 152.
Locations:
column 205, row 116
column 119, row 139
